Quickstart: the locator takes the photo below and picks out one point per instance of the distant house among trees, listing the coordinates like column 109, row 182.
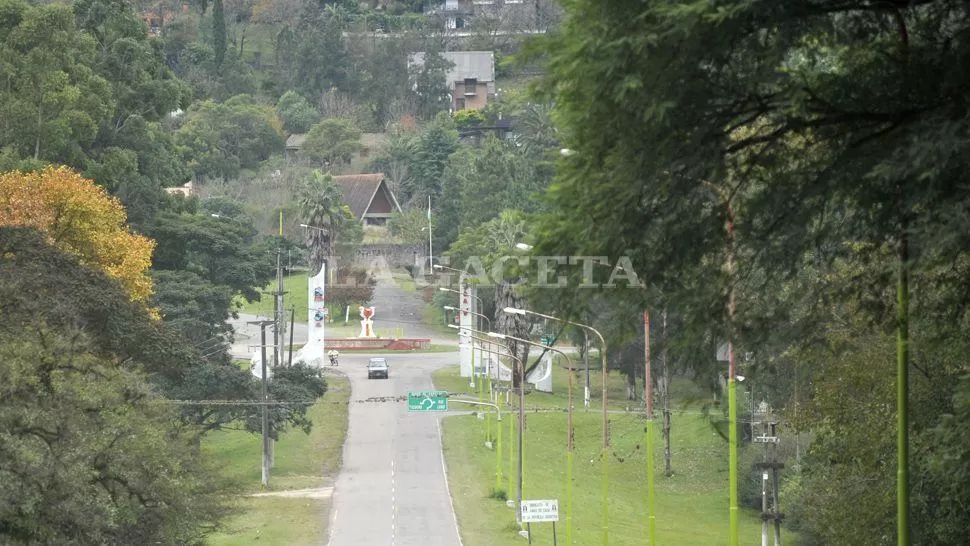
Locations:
column 186, row 189
column 370, row 145
column 471, row 79
column 369, row 197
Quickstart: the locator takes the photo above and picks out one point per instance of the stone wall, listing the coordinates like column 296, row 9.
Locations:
column 377, row 256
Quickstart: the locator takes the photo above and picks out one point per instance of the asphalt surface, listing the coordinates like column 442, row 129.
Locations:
column 392, row 489
column 394, row 308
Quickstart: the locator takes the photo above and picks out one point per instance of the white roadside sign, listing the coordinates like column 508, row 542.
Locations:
column 540, row 510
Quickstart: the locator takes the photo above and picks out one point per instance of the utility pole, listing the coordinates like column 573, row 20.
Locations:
column 279, row 312
column 264, row 396
column 767, row 434
column 292, row 319
column 279, row 331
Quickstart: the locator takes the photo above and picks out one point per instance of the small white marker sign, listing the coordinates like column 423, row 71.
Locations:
column 540, row 510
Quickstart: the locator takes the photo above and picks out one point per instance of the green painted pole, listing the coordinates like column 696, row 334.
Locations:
column 472, row 385
column 498, row 446
column 733, row 458
column 605, row 480
column 651, row 510
column 732, row 382
column 488, row 415
column 648, row 402
column 902, row 390
column 511, row 455
column 569, row 497
column 569, row 453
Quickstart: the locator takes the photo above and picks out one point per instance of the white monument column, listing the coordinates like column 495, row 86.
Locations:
column 313, row 352
column 465, row 324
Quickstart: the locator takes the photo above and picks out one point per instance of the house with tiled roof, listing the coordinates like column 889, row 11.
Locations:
column 369, row 197
column 470, row 80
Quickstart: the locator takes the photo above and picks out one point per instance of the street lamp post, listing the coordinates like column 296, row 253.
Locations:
column 481, row 360
column 481, row 305
column 498, row 402
column 569, row 429
column 605, row 483
column 518, row 504
column 521, row 428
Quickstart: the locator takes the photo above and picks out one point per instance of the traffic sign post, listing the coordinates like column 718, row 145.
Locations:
column 540, row 511
column 423, row 401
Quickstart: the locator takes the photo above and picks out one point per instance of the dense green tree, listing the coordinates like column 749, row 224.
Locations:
column 408, row 225
column 192, row 305
column 218, row 33
column 396, row 160
column 105, row 89
column 332, row 142
column 284, row 53
column 218, row 140
column 435, row 144
column 91, row 454
column 430, row 85
column 501, row 177
column 323, row 60
column 300, row 386
column 384, row 85
column 131, row 144
column 816, row 131
column 296, row 113
column 53, row 102
column 222, row 250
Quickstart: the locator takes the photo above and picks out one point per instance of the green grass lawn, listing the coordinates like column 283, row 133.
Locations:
column 267, row 520
column 296, row 296
column 691, row 506
column 302, row 461
column 434, row 318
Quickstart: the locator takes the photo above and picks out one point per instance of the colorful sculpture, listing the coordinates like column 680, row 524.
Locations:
column 366, row 324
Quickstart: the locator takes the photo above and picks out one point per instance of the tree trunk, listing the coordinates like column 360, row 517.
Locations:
column 631, row 386
column 513, row 325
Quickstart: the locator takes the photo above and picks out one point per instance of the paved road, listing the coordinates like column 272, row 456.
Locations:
column 392, row 489
column 400, row 309
column 395, row 308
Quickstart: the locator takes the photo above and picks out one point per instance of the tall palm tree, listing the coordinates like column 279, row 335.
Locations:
column 320, row 200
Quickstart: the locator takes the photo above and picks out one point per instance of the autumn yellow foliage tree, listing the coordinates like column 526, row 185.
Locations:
column 79, row 217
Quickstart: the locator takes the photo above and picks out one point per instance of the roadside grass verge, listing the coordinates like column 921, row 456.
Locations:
column 296, row 297
column 275, row 520
column 691, row 505
column 434, row 318
column 302, row 461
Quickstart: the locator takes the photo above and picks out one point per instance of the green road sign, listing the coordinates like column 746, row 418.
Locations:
column 547, row 339
column 428, row 401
